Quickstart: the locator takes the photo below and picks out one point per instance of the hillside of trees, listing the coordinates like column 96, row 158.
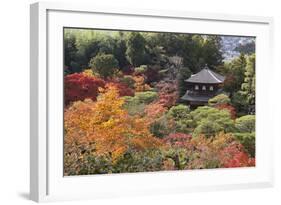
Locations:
column 122, row 103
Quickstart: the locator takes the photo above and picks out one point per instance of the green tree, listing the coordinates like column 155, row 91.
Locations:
column 248, row 87
column 120, row 49
column 210, row 121
column 235, row 74
column 184, row 73
column 245, row 132
column 146, row 97
column 70, row 49
column 136, row 105
column 105, row 65
column 155, row 49
column 219, row 100
column 135, row 52
column 211, row 50
column 70, row 54
column 171, row 43
column 182, row 118
column 192, row 52
column 248, row 140
column 161, row 127
column 239, row 101
column 246, row 123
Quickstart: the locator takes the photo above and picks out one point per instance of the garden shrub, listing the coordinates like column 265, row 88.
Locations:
column 229, row 108
column 210, row 121
column 145, row 161
column 246, row 123
column 137, row 104
column 134, row 106
column 105, row 65
column 162, row 127
column 248, row 140
column 219, row 99
column 182, row 118
column 146, row 97
column 140, row 85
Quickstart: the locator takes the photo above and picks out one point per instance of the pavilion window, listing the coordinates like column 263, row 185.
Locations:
column 203, row 87
column 196, row 87
column 211, row 88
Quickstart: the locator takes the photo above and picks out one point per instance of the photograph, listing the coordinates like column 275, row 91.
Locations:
column 147, row 101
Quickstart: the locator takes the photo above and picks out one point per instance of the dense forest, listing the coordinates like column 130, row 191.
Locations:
column 123, row 111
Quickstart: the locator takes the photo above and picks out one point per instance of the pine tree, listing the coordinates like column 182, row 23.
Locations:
column 136, row 49
column 212, row 54
column 235, row 74
column 248, row 87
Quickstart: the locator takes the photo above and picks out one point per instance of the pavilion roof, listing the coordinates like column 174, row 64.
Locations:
column 206, row 76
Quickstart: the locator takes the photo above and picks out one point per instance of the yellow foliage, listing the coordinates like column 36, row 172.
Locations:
column 107, row 125
column 88, row 72
column 140, row 85
column 216, row 143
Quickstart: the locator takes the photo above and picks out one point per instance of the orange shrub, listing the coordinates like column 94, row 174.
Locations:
column 140, row 85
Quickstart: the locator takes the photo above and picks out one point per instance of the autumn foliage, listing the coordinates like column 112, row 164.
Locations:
column 123, row 89
column 140, row 84
column 168, row 93
column 102, row 137
column 79, row 86
column 125, row 110
column 147, row 130
column 106, row 126
column 234, row 155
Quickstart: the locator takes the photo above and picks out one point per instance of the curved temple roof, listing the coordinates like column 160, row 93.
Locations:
column 206, row 76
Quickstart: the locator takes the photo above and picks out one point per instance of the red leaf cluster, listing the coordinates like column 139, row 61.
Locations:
column 123, row 89
column 168, row 94
column 234, row 156
column 79, row 86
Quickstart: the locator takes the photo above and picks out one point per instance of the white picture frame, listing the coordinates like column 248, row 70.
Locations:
column 46, row 177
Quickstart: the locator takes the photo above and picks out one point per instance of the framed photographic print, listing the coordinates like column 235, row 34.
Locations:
column 127, row 102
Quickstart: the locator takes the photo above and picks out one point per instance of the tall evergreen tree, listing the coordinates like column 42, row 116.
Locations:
column 70, row 49
column 120, row 49
column 191, row 53
column 184, row 73
column 248, row 87
column 136, row 49
column 235, row 74
column 212, row 54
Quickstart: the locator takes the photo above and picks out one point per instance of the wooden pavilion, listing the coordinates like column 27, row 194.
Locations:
column 202, row 86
